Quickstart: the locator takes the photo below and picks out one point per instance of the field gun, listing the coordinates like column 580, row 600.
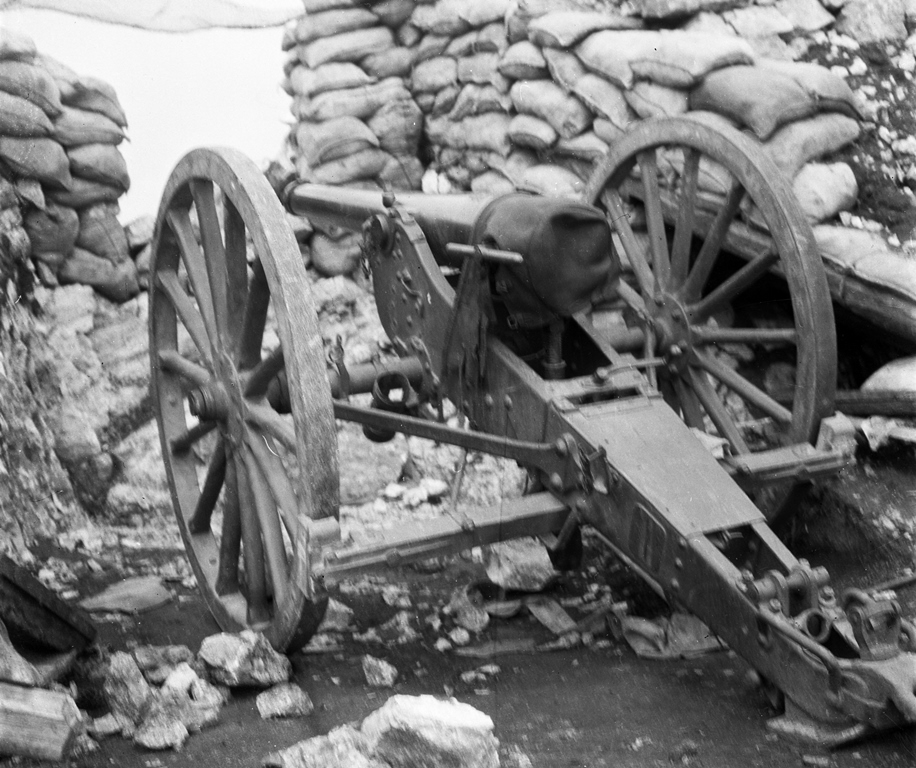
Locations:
column 500, row 307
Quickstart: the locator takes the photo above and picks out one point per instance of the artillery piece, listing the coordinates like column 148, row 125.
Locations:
column 490, row 305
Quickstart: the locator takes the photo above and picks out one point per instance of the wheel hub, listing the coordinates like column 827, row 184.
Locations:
column 673, row 337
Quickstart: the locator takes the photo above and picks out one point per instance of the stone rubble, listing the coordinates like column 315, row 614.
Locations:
column 378, row 672
column 244, row 659
column 284, row 700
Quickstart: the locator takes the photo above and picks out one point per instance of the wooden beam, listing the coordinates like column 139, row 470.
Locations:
column 37, row 723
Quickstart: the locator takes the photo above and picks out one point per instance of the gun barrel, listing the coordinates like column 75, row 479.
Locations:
column 444, row 219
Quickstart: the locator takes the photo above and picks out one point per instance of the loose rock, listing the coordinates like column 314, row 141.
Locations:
column 284, row 700
column 379, row 673
column 244, row 659
column 126, row 690
column 522, row 564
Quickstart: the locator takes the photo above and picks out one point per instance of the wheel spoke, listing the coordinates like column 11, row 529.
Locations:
column 173, row 362
column 745, row 277
column 255, row 577
column 635, row 255
column 186, row 311
column 709, row 251
column 230, row 542
column 271, row 422
column 705, row 334
column 186, row 439
column 280, row 487
column 655, row 219
column 269, row 523
column 213, row 484
column 716, row 410
column 264, row 373
column 690, row 406
column 252, row 333
column 236, row 268
column 686, row 213
column 737, row 383
column 193, row 259
column 214, row 252
column 632, row 299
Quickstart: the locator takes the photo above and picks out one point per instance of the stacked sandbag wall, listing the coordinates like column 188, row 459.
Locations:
column 58, row 143
column 356, row 122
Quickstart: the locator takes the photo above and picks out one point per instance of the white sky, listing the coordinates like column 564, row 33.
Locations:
column 215, row 87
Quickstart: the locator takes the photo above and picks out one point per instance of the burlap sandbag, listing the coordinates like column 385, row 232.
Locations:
column 487, row 132
column 354, row 102
column 480, row 68
column 425, row 102
column 491, row 38
column 830, row 92
column 758, row 98
column 608, row 53
column 823, row 190
column 102, row 234
column 393, row 13
column 492, row 183
column 440, row 18
column 64, row 77
column 327, row 23
column 586, row 146
column 333, row 139
column 530, row 131
column 96, row 95
column 29, row 191
column 83, row 193
column 434, row 74
column 514, row 165
column 605, row 99
column 444, row 101
column 564, row 29
column 117, row 283
column 607, row 131
column 398, row 126
column 682, row 59
column 100, row 162
column 395, row 62
column 364, row 164
column 565, row 68
column 477, row 99
column 32, row 82
column 541, row 98
column 798, row 143
column 463, row 45
column 477, row 13
column 15, row 45
column 37, row 158
column 408, row 35
column 401, row 172
column 430, row 47
column 348, row 46
column 75, row 127
column 319, row 6
column 53, row 230
column 328, row 77
column 552, row 181
column 523, row 61
column 20, row 117
column 648, row 99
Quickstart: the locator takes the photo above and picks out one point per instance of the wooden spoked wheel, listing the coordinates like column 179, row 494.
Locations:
column 242, row 476
column 707, row 193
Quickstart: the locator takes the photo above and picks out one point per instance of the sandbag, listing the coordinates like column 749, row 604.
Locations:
column 116, row 283
column 682, row 59
column 354, row 102
column 609, row 53
column 347, row 46
column 431, row 46
column 100, row 162
column 96, row 95
column 31, row 82
column 315, row 26
column 401, row 172
column 53, row 230
column 829, row 92
column 398, row 126
column 478, row 13
column 607, row 131
column 463, row 45
column 434, row 74
column 648, row 99
column 393, row 13
column 514, row 165
column 28, row 191
column 488, row 132
column 523, row 61
column 477, row 99
column 797, row 143
column 605, row 99
column 102, row 234
column 552, row 181
column 564, row 29
column 15, row 45
column 565, row 68
column 319, row 6
column 481, row 68
column 395, row 62
column 586, row 146
column 712, row 177
column 445, row 100
column 492, row 183
column 75, row 127
column 440, row 18
column 20, row 117
column 364, row 164
column 408, row 35
column 83, row 193
column 541, row 98
column 759, row 98
column 425, row 102
column 333, row 139
column 491, row 38
column 530, row 131
column 64, row 77
column 37, row 158
column 824, row 190
column 328, row 77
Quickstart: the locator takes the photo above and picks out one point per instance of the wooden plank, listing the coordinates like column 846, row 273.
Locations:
column 37, row 723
